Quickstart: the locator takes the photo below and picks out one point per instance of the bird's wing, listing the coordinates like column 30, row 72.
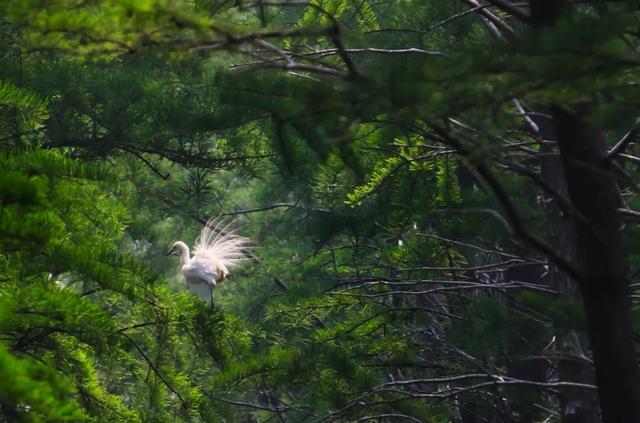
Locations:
column 210, row 269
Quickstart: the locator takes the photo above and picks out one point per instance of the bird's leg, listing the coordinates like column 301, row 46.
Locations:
column 211, row 291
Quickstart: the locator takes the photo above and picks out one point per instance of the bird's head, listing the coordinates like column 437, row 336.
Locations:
column 177, row 249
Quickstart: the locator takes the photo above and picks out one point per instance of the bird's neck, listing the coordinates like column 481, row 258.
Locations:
column 184, row 256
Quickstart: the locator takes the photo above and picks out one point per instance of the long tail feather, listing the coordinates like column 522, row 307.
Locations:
column 219, row 242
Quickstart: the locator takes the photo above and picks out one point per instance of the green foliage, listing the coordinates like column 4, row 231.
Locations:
column 447, row 182
column 563, row 311
column 32, row 109
column 35, row 392
column 378, row 177
column 385, row 282
column 103, row 27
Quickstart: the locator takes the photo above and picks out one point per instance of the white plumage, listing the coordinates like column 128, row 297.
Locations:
column 217, row 250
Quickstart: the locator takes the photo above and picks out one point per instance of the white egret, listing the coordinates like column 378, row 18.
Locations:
column 216, row 250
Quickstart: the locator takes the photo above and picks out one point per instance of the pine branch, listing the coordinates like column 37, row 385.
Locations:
column 154, row 368
column 510, row 209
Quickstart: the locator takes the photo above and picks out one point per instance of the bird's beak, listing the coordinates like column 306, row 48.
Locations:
column 169, row 253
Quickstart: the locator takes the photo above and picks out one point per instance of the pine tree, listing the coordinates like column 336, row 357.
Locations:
column 437, row 190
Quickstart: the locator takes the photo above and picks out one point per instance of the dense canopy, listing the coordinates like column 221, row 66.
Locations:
column 442, row 196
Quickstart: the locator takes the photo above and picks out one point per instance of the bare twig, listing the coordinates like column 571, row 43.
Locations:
column 510, row 8
column 154, row 368
column 250, row 405
column 509, row 208
column 624, row 141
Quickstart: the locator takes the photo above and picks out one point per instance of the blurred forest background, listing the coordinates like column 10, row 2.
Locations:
column 442, row 195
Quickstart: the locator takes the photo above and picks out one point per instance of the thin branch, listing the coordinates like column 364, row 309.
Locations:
column 154, row 368
column 283, row 54
column 534, row 126
column 633, row 159
column 629, row 214
column 449, row 391
column 140, row 325
column 624, row 142
column 462, row 285
column 564, row 203
column 490, row 212
column 150, row 165
column 510, row 8
column 304, row 67
column 516, row 222
column 249, row 404
column 391, row 415
column 376, row 50
column 621, row 170
column 270, row 207
column 493, row 22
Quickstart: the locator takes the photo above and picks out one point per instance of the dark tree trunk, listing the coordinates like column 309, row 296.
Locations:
column 576, row 405
column 602, row 260
column 600, row 255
